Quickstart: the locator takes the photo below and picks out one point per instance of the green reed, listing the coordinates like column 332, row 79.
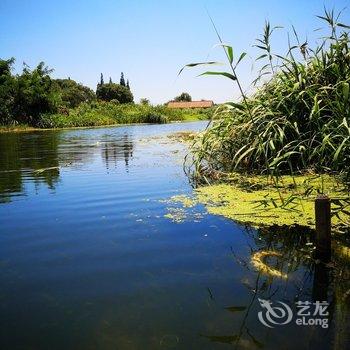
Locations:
column 297, row 121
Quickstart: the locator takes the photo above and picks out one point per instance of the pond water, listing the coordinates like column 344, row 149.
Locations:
column 90, row 260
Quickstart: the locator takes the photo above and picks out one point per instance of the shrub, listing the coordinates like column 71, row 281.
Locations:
column 72, row 93
column 111, row 91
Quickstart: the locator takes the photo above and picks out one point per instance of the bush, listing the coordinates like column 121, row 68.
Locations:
column 111, row 91
column 24, row 97
column 72, row 93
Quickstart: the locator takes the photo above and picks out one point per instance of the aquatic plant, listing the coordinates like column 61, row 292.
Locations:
column 297, row 121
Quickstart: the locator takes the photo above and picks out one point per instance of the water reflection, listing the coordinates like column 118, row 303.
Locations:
column 306, row 279
column 38, row 158
column 98, row 263
column 21, row 156
column 113, row 151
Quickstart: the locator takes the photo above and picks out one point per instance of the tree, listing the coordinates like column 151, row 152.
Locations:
column 144, row 101
column 127, row 84
column 186, row 97
column 122, row 80
column 35, row 93
column 72, row 93
column 7, row 82
column 108, row 92
column 110, row 80
column 101, row 80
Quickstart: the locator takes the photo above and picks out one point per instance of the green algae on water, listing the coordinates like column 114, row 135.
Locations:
column 255, row 201
column 181, row 208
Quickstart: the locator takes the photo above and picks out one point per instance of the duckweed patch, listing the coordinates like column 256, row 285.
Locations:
column 181, row 208
column 256, row 201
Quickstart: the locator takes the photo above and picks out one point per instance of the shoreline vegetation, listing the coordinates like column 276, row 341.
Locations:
column 296, row 123
column 110, row 114
column 245, row 199
column 33, row 100
column 28, row 128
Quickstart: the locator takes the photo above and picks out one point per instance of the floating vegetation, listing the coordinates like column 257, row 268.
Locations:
column 186, row 201
column 256, row 201
column 185, row 136
column 177, row 215
column 258, row 262
column 182, row 208
column 40, row 171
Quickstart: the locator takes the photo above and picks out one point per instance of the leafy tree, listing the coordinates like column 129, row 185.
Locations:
column 122, row 80
column 108, row 92
column 34, row 94
column 6, row 90
column 144, row 101
column 72, row 93
column 127, row 84
column 101, row 80
column 186, row 97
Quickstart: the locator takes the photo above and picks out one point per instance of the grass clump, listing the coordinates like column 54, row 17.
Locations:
column 298, row 120
column 108, row 113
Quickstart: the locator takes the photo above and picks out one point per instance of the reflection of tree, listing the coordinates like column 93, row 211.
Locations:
column 115, row 150
column 307, row 280
column 38, row 157
column 22, row 156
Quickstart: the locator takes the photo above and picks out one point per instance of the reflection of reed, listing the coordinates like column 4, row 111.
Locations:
column 306, row 279
column 258, row 261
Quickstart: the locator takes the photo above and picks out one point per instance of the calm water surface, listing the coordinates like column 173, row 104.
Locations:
column 88, row 260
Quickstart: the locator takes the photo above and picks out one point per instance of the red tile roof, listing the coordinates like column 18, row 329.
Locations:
column 192, row 104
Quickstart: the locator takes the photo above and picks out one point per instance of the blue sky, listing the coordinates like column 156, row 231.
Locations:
column 148, row 40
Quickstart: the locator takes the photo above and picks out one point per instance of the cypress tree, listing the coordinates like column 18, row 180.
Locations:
column 110, row 80
column 122, row 80
column 127, row 84
column 101, row 80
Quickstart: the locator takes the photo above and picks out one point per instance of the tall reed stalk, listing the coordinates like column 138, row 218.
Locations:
column 296, row 122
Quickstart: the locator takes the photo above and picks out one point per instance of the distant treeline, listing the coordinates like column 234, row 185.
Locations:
column 32, row 98
column 25, row 97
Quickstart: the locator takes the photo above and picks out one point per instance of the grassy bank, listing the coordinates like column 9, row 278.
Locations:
column 111, row 113
column 108, row 113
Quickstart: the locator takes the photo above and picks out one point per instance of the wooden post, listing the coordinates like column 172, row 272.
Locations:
column 323, row 227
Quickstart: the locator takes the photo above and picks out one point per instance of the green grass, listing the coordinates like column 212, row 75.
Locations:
column 109, row 113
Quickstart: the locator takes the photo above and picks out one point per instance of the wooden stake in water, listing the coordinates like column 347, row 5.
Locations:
column 323, row 227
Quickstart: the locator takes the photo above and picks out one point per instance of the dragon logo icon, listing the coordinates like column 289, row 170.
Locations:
column 274, row 315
